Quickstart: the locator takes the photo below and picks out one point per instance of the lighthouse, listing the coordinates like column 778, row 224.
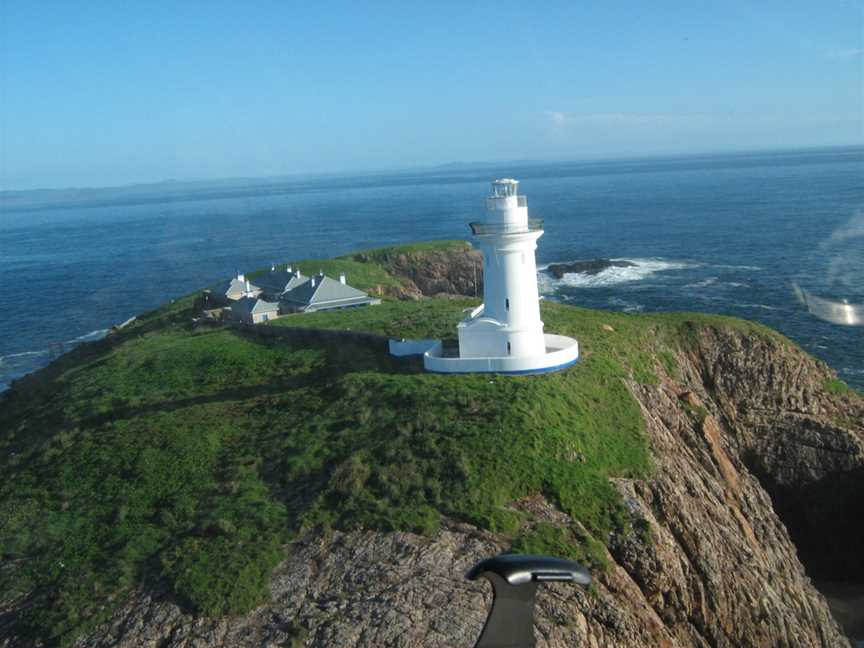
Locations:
column 509, row 322
column 505, row 333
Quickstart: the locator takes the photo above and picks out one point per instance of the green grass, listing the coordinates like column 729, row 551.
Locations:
column 193, row 456
column 369, row 270
column 836, row 387
column 421, row 318
column 365, row 276
column 384, row 253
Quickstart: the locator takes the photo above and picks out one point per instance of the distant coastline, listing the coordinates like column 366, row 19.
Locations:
column 165, row 191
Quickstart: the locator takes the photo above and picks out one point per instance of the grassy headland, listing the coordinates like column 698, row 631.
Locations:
column 193, row 455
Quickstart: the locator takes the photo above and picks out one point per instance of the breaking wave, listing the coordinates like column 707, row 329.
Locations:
column 710, row 281
column 642, row 269
column 715, row 282
column 624, row 305
column 92, row 336
column 15, row 365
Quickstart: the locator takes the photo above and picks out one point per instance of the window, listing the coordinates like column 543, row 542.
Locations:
column 508, row 348
column 507, row 304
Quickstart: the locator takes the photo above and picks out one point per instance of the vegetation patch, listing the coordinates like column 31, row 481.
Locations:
column 836, row 386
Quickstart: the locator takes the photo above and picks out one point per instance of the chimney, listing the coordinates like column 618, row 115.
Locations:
column 313, row 281
column 248, row 288
column 288, row 269
column 240, row 276
column 342, row 278
column 272, row 267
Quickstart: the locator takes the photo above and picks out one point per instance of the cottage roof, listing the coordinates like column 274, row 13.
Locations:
column 278, row 281
column 323, row 291
column 235, row 285
column 253, row 306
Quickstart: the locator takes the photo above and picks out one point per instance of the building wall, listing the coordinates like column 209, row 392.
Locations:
column 264, row 317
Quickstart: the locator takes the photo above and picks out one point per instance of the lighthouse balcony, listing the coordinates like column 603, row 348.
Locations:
column 485, row 229
column 499, row 202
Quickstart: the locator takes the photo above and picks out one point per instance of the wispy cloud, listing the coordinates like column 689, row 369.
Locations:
column 846, row 53
column 560, row 118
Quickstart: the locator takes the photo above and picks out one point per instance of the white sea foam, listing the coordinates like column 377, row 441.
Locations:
column 24, row 354
column 762, row 306
column 737, row 267
column 715, row 282
column 98, row 334
column 710, row 281
column 643, row 269
column 31, row 360
column 623, row 305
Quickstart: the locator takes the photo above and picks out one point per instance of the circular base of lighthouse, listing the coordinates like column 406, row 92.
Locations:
column 561, row 352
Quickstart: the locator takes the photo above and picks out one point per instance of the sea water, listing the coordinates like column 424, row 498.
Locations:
column 728, row 234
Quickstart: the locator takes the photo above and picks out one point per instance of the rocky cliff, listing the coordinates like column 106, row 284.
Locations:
column 755, row 484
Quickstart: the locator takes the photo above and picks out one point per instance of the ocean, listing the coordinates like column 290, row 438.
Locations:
column 730, row 234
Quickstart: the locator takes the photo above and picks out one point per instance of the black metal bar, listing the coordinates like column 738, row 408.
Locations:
column 514, row 580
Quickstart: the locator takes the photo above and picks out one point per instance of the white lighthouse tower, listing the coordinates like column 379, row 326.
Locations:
column 509, row 323
column 505, row 333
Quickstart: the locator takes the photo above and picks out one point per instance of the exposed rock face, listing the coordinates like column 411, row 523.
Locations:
column 716, row 568
column 592, row 267
column 456, row 271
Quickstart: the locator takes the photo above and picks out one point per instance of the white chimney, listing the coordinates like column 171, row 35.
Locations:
column 248, row 287
column 288, row 269
column 240, row 276
column 313, row 281
column 272, row 267
column 342, row 278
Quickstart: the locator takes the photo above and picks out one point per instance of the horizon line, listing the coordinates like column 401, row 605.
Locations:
column 402, row 169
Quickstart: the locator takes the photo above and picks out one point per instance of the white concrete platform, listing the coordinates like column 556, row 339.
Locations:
column 561, row 352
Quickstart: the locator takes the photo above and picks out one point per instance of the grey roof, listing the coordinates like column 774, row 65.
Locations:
column 280, row 281
column 234, row 285
column 325, row 290
column 253, row 306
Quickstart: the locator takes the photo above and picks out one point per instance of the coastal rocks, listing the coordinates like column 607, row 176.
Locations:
column 806, row 448
column 375, row 589
column 592, row 267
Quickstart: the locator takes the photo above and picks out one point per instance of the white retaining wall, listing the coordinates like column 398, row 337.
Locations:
column 561, row 352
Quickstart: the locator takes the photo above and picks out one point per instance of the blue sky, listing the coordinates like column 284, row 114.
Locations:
column 107, row 93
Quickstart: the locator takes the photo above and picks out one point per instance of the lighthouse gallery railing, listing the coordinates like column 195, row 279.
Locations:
column 533, row 225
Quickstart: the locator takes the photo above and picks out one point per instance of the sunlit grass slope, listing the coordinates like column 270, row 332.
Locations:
column 192, row 456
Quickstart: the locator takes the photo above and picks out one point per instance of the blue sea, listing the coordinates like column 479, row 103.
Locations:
column 724, row 234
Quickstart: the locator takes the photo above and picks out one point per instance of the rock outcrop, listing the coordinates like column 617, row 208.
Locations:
column 709, row 562
column 456, row 270
column 592, row 267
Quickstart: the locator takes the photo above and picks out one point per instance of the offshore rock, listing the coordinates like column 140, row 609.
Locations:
column 592, row 267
